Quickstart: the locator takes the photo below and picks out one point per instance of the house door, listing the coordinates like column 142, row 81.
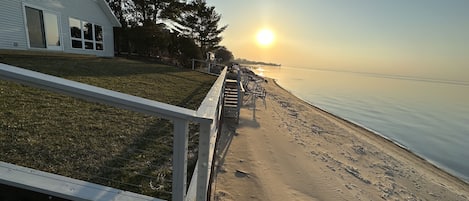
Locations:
column 43, row 29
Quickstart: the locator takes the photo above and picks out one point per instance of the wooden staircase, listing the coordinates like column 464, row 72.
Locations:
column 232, row 100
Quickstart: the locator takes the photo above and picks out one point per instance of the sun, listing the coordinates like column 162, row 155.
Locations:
column 265, row 37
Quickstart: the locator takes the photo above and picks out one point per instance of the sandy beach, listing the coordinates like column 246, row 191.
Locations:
column 291, row 150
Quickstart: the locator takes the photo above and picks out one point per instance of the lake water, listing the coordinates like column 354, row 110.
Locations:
column 427, row 116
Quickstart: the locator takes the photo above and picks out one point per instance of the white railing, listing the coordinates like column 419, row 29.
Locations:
column 208, row 116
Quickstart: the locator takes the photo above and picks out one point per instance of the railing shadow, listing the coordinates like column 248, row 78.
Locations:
column 224, row 142
column 189, row 100
column 144, row 165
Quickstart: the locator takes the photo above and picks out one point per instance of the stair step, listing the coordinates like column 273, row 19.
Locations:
column 231, row 98
column 230, row 106
column 231, row 94
column 231, row 102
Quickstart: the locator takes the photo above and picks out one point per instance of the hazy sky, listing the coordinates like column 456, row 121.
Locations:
column 407, row 37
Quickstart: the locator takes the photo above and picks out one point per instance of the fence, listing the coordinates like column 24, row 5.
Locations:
column 208, row 116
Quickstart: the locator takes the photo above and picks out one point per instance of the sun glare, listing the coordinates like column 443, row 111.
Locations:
column 265, row 37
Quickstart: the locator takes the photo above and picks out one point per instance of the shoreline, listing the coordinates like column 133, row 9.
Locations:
column 293, row 150
column 360, row 126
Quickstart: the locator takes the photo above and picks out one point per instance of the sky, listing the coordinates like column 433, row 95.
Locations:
column 426, row 38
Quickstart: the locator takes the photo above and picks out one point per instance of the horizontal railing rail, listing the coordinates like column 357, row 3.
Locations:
column 208, row 116
column 211, row 108
column 63, row 187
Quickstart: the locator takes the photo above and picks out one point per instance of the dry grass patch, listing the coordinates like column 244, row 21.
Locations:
column 90, row 141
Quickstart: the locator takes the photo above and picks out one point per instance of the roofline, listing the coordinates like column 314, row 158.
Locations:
column 108, row 12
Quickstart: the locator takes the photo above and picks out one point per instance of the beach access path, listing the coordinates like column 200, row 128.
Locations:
column 291, row 150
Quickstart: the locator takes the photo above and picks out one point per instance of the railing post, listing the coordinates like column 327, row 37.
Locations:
column 193, row 64
column 203, row 169
column 240, row 93
column 180, row 147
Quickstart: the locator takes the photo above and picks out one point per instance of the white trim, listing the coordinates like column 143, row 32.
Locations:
column 26, row 29
column 59, row 26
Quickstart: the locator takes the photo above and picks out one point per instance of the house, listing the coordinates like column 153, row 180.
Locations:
column 71, row 26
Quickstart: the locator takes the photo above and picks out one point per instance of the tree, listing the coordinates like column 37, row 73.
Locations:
column 169, row 28
column 167, row 9
column 158, row 10
column 121, row 9
column 186, row 49
column 142, row 30
column 202, row 23
column 150, row 39
column 224, row 55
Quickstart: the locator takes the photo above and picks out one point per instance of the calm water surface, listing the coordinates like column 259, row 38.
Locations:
column 428, row 117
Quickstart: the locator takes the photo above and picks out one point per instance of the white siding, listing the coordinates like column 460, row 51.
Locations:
column 13, row 28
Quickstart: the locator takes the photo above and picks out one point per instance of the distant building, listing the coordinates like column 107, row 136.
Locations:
column 72, row 26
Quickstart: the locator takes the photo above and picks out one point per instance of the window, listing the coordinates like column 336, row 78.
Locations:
column 75, row 33
column 98, row 35
column 51, row 24
column 43, row 29
column 86, row 35
column 35, row 25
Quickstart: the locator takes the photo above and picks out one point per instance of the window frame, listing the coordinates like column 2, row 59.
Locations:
column 84, row 41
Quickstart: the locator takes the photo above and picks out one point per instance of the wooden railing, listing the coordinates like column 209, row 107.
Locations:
column 208, row 116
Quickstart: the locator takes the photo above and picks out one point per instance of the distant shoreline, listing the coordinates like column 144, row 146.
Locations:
column 248, row 62
column 264, row 64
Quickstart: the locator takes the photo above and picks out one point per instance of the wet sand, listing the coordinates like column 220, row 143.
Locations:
column 291, row 150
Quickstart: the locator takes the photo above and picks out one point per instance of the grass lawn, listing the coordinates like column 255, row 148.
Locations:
column 93, row 142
